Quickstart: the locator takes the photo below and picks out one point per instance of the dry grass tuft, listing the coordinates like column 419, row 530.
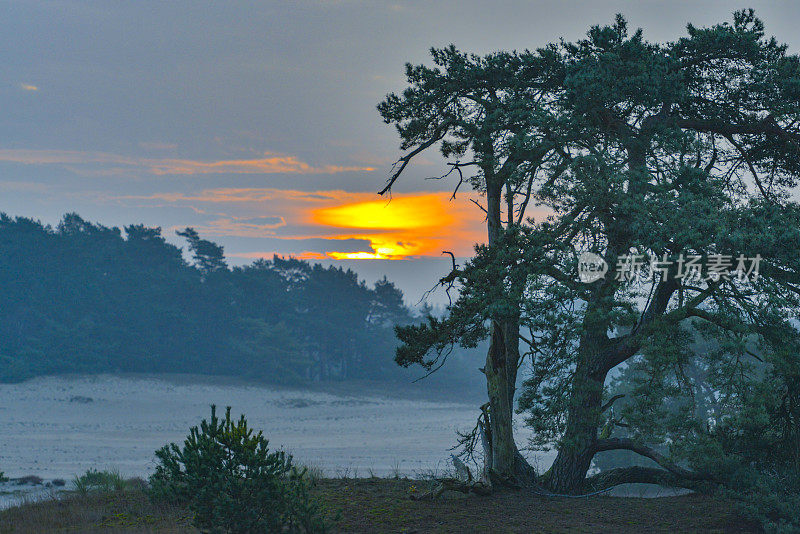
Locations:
column 119, row 511
column 383, row 505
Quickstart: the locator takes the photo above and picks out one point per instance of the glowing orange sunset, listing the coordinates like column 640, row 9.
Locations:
column 340, row 225
column 365, row 266
column 405, row 226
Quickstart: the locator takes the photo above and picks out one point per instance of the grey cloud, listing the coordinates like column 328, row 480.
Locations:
column 215, row 82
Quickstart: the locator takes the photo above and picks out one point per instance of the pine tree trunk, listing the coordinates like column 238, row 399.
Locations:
column 568, row 473
column 501, row 374
column 501, row 366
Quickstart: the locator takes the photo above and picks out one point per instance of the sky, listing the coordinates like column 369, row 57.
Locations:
column 255, row 122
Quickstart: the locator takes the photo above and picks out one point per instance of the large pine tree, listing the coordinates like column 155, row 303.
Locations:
column 635, row 149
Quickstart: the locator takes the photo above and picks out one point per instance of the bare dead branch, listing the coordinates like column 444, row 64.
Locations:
column 400, row 165
column 452, row 257
column 478, row 204
column 453, row 484
column 611, row 402
column 750, row 166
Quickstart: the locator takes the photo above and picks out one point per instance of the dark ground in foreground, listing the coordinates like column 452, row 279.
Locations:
column 382, row 505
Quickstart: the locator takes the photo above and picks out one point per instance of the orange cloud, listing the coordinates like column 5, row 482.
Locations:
column 409, row 225
column 271, row 163
column 245, row 195
column 104, row 163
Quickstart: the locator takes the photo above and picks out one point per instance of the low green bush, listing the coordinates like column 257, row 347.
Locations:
column 232, row 483
column 94, row 480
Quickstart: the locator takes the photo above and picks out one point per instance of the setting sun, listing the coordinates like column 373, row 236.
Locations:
column 402, row 227
column 420, row 211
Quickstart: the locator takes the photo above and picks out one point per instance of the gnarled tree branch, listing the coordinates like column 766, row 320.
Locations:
column 639, row 475
column 613, row 444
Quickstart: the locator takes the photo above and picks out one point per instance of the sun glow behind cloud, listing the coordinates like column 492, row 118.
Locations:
column 334, row 224
column 406, row 226
column 312, row 224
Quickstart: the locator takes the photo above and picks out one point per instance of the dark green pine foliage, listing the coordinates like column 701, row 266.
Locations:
column 629, row 147
column 232, row 483
column 85, row 298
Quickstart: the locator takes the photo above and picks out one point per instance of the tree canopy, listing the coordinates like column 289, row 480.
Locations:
column 656, row 151
column 82, row 297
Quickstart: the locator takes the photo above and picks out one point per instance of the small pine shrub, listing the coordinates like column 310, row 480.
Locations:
column 233, row 483
column 100, row 481
column 3, row 477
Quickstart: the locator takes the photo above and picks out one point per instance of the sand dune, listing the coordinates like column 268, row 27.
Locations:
column 60, row 426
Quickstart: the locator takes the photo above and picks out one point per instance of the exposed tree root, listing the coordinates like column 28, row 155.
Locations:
column 453, row 484
column 594, row 485
column 526, row 479
column 525, row 474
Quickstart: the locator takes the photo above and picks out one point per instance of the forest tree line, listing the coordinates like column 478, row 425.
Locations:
column 80, row 297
